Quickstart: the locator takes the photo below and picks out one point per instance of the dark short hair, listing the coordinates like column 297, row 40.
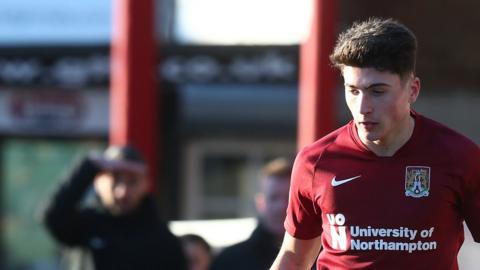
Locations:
column 383, row 44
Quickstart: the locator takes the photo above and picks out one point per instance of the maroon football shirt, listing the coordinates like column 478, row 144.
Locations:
column 399, row 212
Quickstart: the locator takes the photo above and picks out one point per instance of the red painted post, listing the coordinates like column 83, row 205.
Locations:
column 316, row 114
column 133, row 90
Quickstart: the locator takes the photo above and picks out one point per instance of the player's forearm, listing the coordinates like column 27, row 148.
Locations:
column 297, row 253
column 287, row 260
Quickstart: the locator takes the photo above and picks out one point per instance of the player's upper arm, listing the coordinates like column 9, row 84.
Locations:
column 297, row 253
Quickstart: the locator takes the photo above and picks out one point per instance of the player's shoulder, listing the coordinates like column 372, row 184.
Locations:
column 449, row 140
column 312, row 152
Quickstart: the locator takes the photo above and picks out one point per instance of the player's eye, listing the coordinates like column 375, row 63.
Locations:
column 354, row 91
column 378, row 91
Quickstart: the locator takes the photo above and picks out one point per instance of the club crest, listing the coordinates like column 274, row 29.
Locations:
column 417, row 181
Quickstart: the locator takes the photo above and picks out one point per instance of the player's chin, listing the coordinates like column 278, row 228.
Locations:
column 372, row 137
column 368, row 135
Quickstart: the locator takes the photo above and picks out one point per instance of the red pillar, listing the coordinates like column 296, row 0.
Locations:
column 317, row 78
column 133, row 93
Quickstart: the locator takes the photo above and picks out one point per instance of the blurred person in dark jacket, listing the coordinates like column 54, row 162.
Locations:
column 261, row 248
column 120, row 228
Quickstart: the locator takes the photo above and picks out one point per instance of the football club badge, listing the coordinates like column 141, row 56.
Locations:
column 417, row 181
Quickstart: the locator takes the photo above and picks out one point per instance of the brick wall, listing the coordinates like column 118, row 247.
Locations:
column 447, row 32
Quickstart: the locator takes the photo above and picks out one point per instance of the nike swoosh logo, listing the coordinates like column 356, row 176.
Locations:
column 341, row 182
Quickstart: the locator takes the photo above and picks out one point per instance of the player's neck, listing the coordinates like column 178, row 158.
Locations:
column 389, row 146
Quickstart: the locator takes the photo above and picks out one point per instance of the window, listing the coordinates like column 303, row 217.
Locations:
column 221, row 177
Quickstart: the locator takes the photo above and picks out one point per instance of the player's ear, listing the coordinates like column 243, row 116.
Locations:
column 414, row 87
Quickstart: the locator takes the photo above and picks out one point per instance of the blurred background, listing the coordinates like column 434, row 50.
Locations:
column 228, row 74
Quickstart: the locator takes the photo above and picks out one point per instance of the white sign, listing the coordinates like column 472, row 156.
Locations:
column 54, row 112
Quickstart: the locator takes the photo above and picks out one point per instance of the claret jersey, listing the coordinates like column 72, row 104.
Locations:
column 399, row 212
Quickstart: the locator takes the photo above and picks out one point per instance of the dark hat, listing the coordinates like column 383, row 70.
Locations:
column 124, row 153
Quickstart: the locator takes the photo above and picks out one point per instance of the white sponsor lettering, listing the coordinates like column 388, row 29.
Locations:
column 409, row 240
column 402, row 232
column 380, row 244
column 338, row 231
column 339, row 238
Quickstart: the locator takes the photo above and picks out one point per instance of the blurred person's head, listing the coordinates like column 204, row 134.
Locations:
column 382, row 44
column 197, row 251
column 122, row 182
column 272, row 200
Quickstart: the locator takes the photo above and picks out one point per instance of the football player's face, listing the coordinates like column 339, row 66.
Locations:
column 379, row 102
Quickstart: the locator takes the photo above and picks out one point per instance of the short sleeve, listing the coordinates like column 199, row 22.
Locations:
column 303, row 221
column 472, row 199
